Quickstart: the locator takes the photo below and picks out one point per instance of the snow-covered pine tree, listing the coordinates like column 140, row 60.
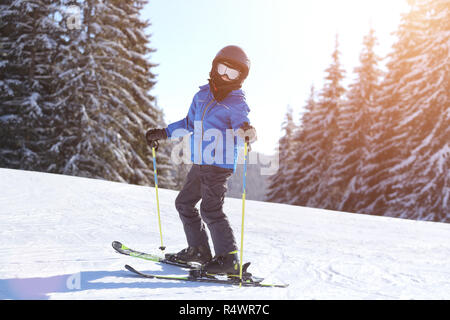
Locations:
column 408, row 172
column 387, row 147
column 330, row 103
column 104, row 89
column 421, row 179
column 141, row 111
column 355, row 128
column 70, row 99
column 27, row 47
column 306, row 140
column 84, row 61
column 277, row 190
column 11, row 82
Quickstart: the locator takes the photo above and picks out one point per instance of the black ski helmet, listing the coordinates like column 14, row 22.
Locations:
column 235, row 56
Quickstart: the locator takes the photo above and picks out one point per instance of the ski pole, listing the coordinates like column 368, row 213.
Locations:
column 243, row 208
column 154, row 144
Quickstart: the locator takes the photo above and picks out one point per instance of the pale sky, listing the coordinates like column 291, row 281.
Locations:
column 289, row 43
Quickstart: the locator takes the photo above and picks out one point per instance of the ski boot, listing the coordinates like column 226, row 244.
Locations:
column 200, row 255
column 227, row 264
column 224, row 267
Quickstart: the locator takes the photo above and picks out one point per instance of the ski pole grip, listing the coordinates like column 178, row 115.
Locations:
column 249, row 148
column 154, row 144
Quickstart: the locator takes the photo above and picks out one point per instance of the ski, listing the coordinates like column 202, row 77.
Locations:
column 121, row 248
column 195, row 274
column 208, row 279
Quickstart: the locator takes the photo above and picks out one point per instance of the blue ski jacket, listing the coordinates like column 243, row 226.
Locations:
column 212, row 126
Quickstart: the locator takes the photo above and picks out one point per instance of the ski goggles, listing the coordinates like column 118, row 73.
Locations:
column 232, row 74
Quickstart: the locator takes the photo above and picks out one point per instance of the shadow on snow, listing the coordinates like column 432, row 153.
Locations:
column 43, row 287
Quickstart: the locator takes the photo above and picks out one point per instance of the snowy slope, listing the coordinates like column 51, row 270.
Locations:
column 56, row 233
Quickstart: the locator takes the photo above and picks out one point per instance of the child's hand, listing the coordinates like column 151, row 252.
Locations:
column 247, row 131
column 155, row 134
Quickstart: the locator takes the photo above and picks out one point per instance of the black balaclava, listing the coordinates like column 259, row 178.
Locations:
column 236, row 57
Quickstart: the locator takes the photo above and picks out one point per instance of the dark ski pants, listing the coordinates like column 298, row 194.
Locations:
column 209, row 183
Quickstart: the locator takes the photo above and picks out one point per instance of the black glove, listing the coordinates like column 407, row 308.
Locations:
column 247, row 131
column 155, row 135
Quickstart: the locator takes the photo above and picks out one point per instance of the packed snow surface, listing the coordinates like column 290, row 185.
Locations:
column 56, row 233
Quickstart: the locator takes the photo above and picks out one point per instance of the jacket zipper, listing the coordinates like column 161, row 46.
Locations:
column 201, row 140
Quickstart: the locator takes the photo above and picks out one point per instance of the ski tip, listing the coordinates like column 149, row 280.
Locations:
column 129, row 268
column 116, row 245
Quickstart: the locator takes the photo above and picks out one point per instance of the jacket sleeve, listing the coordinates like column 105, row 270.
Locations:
column 239, row 115
column 184, row 126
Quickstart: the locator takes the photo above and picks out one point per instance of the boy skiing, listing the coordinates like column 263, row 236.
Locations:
column 218, row 108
